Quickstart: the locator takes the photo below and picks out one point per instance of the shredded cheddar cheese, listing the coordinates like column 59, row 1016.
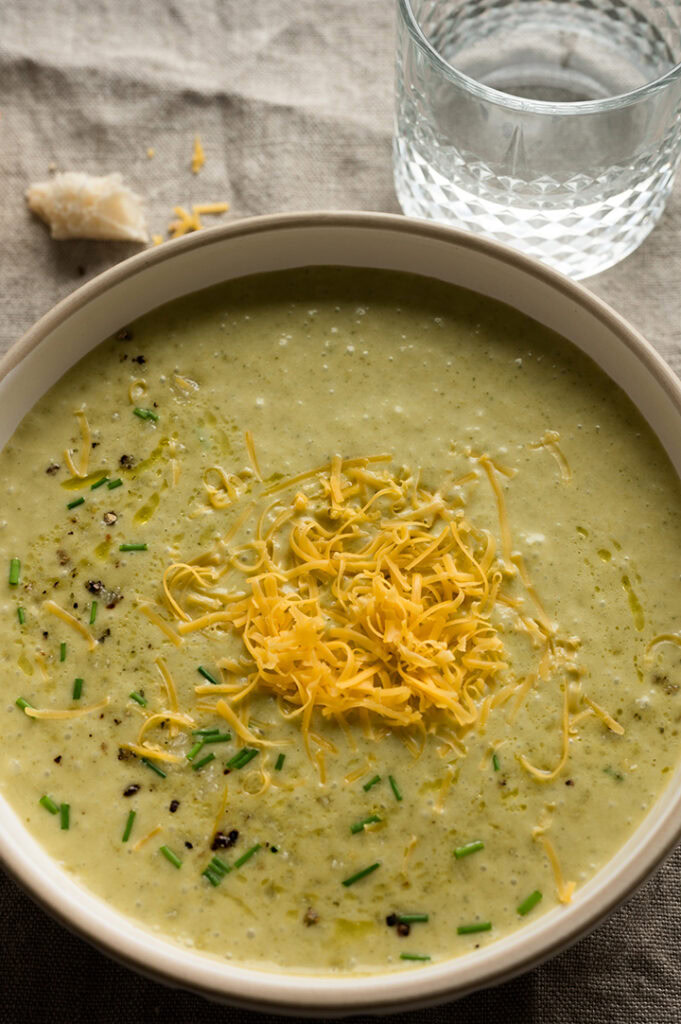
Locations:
column 86, row 440
column 198, row 155
column 64, row 713
column 71, row 620
column 145, row 839
column 564, row 889
column 550, row 443
column 187, row 222
column 373, row 601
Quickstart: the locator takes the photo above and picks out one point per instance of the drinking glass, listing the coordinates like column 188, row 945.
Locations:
column 551, row 125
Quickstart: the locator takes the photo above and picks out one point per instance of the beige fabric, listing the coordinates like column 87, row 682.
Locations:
column 293, row 102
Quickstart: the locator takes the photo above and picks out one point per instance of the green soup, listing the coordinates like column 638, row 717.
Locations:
column 276, row 832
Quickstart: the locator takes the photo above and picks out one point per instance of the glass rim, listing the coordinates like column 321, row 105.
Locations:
column 519, row 103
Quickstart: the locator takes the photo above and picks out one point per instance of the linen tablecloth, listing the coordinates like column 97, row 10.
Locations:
column 293, row 103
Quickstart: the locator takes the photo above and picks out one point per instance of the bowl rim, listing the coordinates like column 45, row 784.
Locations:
column 312, row 994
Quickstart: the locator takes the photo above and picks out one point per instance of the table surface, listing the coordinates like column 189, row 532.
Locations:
column 293, row 102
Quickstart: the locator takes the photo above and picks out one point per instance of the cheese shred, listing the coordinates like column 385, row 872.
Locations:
column 71, row 620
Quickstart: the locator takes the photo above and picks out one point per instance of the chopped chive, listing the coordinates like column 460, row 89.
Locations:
column 242, row 758
column 76, row 502
column 133, row 547
column 62, row 652
column 208, row 675
column 495, row 762
column 23, row 704
column 111, row 484
column 64, row 812
column 528, row 904
column 413, row 956
column 195, row 749
column 145, row 414
column 361, row 874
column 204, row 732
column 154, row 767
column 280, row 762
column 413, row 918
column 204, row 761
column 395, row 788
column 138, row 698
column 21, row 615
column 372, row 782
column 359, row 825
column 468, row 848
column 219, row 866
column 98, row 483
column 246, row 856
column 471, row 929
column 48, row 803
column 128, row 827
column 614, row 774
column 77, row 688
column 218, row 737
column 14, row 571
column 169, row 855
column 93, row 613
column 212, row 877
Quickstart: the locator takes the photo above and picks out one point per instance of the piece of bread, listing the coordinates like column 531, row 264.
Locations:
column 78, row 205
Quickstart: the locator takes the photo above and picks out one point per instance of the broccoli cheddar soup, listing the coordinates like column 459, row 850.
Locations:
column 339, row 623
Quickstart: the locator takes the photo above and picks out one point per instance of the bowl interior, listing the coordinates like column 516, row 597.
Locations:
column 370, row 240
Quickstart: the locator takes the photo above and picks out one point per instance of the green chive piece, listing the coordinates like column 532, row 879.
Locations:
column 195, row 749
column 219, row 866
column 395, row 788
column 413, row 918
column 23, row 704
column 14, row 571
column 471, row 929
column 138, row 698
column 111, row 484
column 280, row 762
column 93, row 613
column 77, row 688
column 133, row 547
column 530, row 903
column 64, row 812
column 208, row 675
column 98, row 483
column 48, row 803
column 128, row 826
column 154, row 767
column 413, row 956
column 204, row 732
column 145, row 414
column 246, row 856
column 359, row 825
column 372, row 782
column 468, row 848
column 242, row 758
column 617, row 776
column 204, row 761
column 495, row 762
column 211, row 876
column 21, row 615
column 218, row 737
column 76, row 502
column 169, row 855
column 360, row 874
column 62, row 652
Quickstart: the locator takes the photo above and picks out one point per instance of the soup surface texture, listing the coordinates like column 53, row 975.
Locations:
column 341, row 618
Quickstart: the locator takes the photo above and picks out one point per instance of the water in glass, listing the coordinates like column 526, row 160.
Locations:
column 560, row 135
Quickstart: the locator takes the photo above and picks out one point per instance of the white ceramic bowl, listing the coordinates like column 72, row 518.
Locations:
column 139, row 284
